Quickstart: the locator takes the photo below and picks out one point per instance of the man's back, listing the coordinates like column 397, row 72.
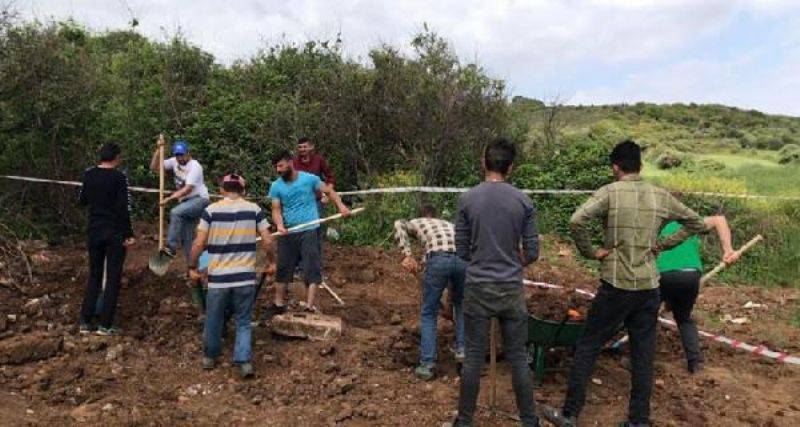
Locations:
column 633, row 212
column 232, row 226
column 493, row 219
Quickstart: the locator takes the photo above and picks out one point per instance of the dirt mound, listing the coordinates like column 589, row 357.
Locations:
column 151, row 374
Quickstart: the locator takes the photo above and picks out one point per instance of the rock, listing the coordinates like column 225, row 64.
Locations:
column 97, row 346
column 345, row 413
column 396, row 319
column 84, row 413
column 597, row 381
column 108, row 407
column 115, row 353
column 12, row 318
column 29, row 348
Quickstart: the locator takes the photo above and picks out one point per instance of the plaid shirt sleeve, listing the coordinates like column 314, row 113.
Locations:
column 691, row 221
column 401, row 229
column 595, row 207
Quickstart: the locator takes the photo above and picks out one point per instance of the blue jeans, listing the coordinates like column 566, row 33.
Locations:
column 217, row 300
column 183, row 220
column 442, row 268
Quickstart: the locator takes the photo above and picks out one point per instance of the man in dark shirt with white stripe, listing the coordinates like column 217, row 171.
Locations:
column 494, row 220
column 105, row 192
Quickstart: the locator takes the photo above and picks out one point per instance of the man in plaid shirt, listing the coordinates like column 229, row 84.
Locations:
column 632, row 212
column 442, row 267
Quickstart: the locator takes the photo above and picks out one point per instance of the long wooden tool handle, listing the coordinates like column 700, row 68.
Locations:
column 330, row 291
column 493, row 362
column 161, row 192
column 320, row 221
column 722, row 265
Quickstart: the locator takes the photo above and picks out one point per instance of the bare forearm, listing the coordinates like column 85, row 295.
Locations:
column 182, row 192
column 154, row 161
column 197, row 249
column 277, row 218
column 723, row 230
column 333, row 195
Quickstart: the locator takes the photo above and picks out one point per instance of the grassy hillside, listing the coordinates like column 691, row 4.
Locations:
column 719, row 148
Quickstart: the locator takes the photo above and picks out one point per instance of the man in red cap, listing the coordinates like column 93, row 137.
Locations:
column 229, row 229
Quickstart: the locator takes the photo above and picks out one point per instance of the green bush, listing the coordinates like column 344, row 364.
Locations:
column 789, row 154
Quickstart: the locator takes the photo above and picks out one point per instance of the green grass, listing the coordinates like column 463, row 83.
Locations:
column 759, row 173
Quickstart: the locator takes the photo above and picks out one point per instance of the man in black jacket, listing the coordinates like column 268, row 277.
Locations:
column 105, row 193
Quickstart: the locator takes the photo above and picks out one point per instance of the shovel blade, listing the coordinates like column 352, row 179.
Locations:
column 159, row 263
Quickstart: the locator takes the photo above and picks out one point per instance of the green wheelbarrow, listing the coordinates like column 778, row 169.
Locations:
column 544, row 335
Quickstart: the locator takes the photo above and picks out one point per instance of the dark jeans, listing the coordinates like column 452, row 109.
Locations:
column 105, row 250
column 506, row 302
column 440, row 269
column 679, row 289
column 218, row 304
column 638, row 311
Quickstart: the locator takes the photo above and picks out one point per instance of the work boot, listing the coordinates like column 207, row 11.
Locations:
column 209, row 363
column 425, row 371
column 246, row 370
column 558, row 418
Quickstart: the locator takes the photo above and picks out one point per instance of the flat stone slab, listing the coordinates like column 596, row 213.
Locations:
column 316, row 327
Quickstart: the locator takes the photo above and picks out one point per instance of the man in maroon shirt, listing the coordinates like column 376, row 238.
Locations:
column 308, row 160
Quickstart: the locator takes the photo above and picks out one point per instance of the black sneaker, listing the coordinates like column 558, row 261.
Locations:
column 557, row 418
column 695, row 367
column 272, row 311
column 86, row 328
column 107, row 332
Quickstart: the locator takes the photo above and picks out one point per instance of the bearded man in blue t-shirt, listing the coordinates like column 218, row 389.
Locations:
column 294, row 202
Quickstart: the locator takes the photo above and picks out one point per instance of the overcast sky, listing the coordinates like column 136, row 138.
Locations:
column 734, row 52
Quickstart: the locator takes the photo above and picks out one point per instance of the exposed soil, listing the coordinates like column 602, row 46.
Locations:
column 50, row 375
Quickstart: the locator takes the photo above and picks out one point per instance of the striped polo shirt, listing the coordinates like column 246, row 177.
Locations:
column 233, row 225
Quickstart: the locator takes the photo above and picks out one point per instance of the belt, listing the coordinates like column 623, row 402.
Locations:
column 439, row 253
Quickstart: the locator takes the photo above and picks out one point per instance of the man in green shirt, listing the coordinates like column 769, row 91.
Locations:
column 632, row 212
column 681, row 269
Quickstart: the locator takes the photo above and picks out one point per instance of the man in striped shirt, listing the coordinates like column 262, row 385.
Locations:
column 442, row 267
column 229, row 229
column 632, row 212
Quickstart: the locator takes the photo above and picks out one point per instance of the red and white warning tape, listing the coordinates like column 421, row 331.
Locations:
column 756, row 350
column 395, row 190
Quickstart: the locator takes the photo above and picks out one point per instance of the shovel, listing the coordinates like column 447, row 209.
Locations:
column 159, row 261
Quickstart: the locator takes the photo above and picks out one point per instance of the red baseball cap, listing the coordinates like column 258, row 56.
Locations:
column 233, row 178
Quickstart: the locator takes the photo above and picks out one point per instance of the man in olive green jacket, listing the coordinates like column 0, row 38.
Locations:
column 632, row 212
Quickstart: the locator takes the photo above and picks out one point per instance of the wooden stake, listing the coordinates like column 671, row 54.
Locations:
column 161, row 192
column 493, row 363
